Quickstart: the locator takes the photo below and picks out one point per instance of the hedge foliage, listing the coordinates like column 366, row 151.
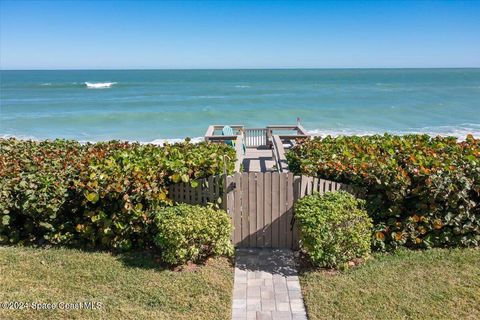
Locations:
column 102, row 194
column 421, row 191
column 192, row 233
column 334, row 228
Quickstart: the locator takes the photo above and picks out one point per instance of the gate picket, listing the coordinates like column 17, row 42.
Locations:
column 260, row 205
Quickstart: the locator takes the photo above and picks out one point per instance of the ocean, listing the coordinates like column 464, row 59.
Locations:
column 154, row 105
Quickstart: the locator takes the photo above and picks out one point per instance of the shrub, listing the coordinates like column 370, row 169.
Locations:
column 101, row 194
column 192, row 233
column 334, row 228
column 420, row 191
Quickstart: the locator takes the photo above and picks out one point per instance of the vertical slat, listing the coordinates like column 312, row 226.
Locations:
column 252, row 209
column 199, row 193
column 181, row 193
column 282, row 195
column 217, row 184
column 328, row 186
column 230, row 203
column 289, row 210
column 210, row 187
column 260, row 211
column 321, row 188
column 275, row 209
column 245, row 226
column 309, row 185
column 315, row 185
column 303, row 187
column 238, row 209
column 187, row 192
column 267, row 208
column 297, row 181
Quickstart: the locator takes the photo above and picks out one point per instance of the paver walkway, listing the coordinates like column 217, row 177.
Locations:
column 266, row 286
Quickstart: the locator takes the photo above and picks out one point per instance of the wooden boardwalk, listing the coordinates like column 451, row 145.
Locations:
column 258, row 149
column 258, row 160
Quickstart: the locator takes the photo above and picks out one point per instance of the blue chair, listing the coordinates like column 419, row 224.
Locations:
column 228, row 131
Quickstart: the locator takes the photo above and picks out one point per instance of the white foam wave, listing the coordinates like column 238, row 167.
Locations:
column 458, row 132
column 158, row 142
column 161, row 142
column 46, row 84
column 242, row 86
column 99, row 85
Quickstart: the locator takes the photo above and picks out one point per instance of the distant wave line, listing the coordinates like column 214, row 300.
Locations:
column 99, row 85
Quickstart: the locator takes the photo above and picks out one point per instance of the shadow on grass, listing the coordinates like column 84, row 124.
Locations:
column 141, row 259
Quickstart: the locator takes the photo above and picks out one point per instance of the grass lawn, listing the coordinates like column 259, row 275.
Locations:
column 434, row 284
column 129, row 286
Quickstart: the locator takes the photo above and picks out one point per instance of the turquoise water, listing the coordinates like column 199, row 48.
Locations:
column 151, row 105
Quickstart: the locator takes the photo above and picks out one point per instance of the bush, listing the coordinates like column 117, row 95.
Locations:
column 334, row 228
column 102, row 194
column 420, row 191
column 192, row 233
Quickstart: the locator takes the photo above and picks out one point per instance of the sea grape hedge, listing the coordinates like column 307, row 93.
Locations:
column 421, row 191
column 334, row 228
column 192, row 233
column 98, row 195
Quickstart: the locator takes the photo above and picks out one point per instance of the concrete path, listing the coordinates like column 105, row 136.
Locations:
column 266, row 286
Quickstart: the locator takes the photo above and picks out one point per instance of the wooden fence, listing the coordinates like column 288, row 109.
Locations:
column 260, row 204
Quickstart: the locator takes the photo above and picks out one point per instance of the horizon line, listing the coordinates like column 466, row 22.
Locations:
column 193, row 69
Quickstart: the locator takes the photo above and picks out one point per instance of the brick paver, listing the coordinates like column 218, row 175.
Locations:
column 266, row 286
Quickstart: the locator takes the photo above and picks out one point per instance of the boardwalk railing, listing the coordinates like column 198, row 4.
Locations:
column 256, row 137
column 259, row 204
column 279, row 154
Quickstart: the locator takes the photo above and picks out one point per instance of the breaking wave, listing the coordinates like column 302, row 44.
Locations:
column 99, row 85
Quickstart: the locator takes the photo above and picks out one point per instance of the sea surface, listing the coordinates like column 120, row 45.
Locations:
column 153, row 105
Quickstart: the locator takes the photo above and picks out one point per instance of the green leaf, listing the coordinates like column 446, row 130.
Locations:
column 92, row 197
column 6, row 220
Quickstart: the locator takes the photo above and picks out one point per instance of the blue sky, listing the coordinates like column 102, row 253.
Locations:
column 236, row 34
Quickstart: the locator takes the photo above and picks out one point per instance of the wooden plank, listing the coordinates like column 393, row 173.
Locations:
column 297, row 181
column 252, row 209
column 303, row 187
column 321, row 186
column 289, row 215
column 186, row 193
column 181, row 193
column 260, row 211
column 275, row 209
column 315, row 184
column 267, row 209
column 210, row 190
column 230, row 202
column 199, row 193
column 238, row 209
column 218, row 182
column 282, row 209
column 245, row 222
column 309, row 185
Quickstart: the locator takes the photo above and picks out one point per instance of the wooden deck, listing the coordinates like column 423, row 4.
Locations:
column 265, row 147
column 258, row 160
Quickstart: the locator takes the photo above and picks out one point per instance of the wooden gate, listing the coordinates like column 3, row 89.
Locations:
column 260, row 204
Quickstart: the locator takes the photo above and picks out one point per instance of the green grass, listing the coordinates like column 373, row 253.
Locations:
column 434, row 284
column 129, row 286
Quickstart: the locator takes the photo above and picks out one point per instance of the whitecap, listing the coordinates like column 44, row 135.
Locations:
column 99, row 85
column 445, row 131
column 242, row 86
